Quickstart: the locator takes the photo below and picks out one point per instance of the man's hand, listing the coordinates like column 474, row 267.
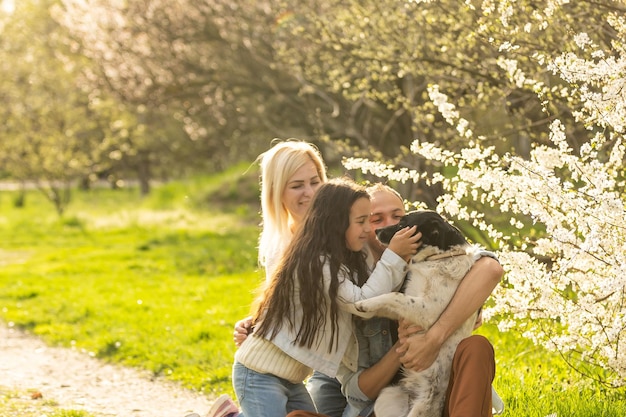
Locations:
column 406, row 329
column 419, row 349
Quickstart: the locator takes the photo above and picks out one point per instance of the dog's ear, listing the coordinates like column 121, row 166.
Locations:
column 453, row 236
column 442, row 234
column 432, row 233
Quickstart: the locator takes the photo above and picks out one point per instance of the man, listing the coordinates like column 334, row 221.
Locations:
column 381, row 355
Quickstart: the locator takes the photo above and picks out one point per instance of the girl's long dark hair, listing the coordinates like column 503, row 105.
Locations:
column 298, row 279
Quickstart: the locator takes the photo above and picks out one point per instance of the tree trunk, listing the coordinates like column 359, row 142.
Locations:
column 143, row 175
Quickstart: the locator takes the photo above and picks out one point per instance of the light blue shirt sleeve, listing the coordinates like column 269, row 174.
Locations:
column 487, row 253
column 356, row 400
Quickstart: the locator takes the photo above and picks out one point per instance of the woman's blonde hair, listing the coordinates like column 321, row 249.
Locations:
column 278, row 164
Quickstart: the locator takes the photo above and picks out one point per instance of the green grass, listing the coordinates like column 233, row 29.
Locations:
column 534, row 382
column 158, row 283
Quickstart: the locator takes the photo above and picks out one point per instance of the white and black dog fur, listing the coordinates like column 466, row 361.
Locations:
column 434, row 275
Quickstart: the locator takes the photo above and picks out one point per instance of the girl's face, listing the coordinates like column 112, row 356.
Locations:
column 359, row 228
column 299, row 190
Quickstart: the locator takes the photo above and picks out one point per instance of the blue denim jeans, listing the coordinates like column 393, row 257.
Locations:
column 326, row 394
column 266, row 395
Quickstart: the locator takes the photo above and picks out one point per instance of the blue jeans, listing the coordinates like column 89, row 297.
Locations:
column 266, row 395
column 326, row 394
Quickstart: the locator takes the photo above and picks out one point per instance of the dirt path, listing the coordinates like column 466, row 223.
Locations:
column 73, row 380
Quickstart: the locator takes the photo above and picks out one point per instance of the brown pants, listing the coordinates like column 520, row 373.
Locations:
column 469, row 388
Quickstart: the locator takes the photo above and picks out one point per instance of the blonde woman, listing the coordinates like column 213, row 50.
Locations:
column 291, row 173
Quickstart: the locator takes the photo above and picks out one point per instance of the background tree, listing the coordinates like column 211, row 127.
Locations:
column 137, row 60
column 220, row 68
column 233, row 75
column 209, row 65
column 565, row 282
column 49, row 133
column 382, row 56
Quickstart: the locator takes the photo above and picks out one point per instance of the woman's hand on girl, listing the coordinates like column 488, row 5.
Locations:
column 242, row 329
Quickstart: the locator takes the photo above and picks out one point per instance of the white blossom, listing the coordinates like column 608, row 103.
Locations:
column 574, row 299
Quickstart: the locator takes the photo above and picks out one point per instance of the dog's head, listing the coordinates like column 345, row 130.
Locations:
column 436, row 231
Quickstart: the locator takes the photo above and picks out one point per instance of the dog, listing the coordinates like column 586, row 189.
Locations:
column 434, row 274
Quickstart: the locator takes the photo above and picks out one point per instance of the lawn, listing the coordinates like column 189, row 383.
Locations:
column 158, row 283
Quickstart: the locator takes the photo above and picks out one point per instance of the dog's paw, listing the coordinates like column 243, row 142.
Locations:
column 361, row 306
column 354, row 310
column 372, row 306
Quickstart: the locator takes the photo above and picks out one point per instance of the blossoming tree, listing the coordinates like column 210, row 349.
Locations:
column 565, row 285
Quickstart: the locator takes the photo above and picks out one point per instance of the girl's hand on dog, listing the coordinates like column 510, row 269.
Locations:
column 406, row 242
column 242, row 330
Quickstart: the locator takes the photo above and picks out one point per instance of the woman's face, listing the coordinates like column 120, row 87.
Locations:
column 359, row 228
column 299, row 190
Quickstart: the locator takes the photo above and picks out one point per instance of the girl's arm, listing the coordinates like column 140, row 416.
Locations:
column 405, row 242
column 387, row 276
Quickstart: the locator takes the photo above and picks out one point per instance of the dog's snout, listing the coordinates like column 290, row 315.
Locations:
column 379, row 234
column 385, row 234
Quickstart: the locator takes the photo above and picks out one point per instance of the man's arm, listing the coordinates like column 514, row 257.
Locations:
column 373, row 379
column 378, row 363
column 420, row 350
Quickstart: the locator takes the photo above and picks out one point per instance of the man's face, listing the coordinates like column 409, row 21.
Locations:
column 387, row 209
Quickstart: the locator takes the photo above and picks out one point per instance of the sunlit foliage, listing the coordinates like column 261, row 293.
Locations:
column 566, row 279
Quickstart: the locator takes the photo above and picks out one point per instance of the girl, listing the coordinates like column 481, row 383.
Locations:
column 300, row 321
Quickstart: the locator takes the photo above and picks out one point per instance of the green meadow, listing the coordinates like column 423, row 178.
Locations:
column 158, row 283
